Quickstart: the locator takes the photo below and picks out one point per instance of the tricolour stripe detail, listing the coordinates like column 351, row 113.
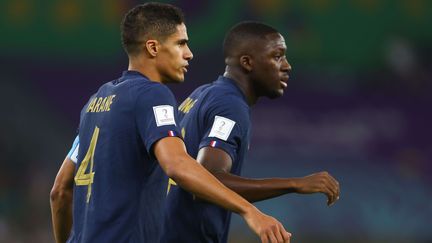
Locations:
column 213, row 143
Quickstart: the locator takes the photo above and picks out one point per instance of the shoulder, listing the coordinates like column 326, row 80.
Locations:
column 144, row 91
column 230, row 107
column 227, row 101
column 161, row 90
column 154, row 94
column 153, row 89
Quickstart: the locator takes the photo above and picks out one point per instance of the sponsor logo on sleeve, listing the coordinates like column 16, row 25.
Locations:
column 222, row 127
column 164, row 115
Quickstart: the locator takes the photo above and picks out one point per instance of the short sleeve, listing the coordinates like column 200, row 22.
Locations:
column 73, row 153
column 226, row 126
column 156, row 114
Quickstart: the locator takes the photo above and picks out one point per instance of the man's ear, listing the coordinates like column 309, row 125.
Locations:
column 246, row 62
column 152, row 47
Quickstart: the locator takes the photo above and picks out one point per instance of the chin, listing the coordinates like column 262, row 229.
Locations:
column 275, row 94
column 176, row 80
column 180, row 79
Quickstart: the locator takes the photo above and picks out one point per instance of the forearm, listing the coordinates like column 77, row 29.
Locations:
column 61, row 212
column 196, row 179
column 61, row 201
column 255, row 190
column 193, row 177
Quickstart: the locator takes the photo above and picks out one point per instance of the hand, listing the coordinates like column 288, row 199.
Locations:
column 321, row 182
column 267, row 228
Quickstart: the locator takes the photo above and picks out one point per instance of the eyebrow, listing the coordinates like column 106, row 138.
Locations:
column 280, row 49
column 182, row 41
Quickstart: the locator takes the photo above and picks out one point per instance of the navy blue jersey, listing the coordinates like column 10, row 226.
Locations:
column 119, row 187
column 215, row 115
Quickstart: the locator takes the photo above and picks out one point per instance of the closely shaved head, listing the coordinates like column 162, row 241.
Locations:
column 255, row 56
column 149, row 20
column 239, row 38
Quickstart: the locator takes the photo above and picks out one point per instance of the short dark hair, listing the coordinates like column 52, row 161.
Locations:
column 245, row 31
column 149, row 20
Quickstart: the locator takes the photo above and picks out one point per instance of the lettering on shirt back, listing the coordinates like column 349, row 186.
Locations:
column 187, row 104
column 100, row 104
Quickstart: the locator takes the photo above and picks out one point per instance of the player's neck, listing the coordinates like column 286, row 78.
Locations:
column 147, row 69
column 243, row 83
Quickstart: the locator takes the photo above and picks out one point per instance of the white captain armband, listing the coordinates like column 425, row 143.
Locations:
column 73, row 153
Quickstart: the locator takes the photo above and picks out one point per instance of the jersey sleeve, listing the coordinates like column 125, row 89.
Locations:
column 73, row 153
column 226, row 125
column 156, row 115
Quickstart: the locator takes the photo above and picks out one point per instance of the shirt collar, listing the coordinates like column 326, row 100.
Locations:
column 224, row 80
column 132, row 73
column 129, row 74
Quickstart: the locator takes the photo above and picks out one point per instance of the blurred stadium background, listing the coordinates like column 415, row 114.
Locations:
column 358, row 105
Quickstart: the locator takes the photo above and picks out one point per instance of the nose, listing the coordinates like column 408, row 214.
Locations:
column 188, row 54
column 286, row 67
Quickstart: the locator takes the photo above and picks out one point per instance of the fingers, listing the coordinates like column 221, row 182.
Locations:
column 334, row 187
column 330, row 187
column 272, row 237
column 336, row 183
column 333, row 194
column 266, row 227
column 285, row 235
column 277, row 234
column 264, row 238
column 321, row 182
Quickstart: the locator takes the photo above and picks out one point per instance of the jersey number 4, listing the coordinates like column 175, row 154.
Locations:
column 86, row 179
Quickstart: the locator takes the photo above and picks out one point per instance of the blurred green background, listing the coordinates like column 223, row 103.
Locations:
column 357, row 105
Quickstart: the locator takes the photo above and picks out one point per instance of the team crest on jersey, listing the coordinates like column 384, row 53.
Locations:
column 164, row 115
column 222, row 127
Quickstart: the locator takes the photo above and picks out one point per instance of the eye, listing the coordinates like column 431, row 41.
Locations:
column 182, row 43
column 278, row 57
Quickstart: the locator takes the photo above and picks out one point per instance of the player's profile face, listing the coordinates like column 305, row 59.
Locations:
column 173, row 56
column 271, row 71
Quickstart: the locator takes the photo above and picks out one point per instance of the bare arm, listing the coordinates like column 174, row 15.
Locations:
column 219, row 163
column 189, row 174
column 61, row 201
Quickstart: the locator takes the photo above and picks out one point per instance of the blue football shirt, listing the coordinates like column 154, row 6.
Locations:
column 119, row 187
column 215, row 115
